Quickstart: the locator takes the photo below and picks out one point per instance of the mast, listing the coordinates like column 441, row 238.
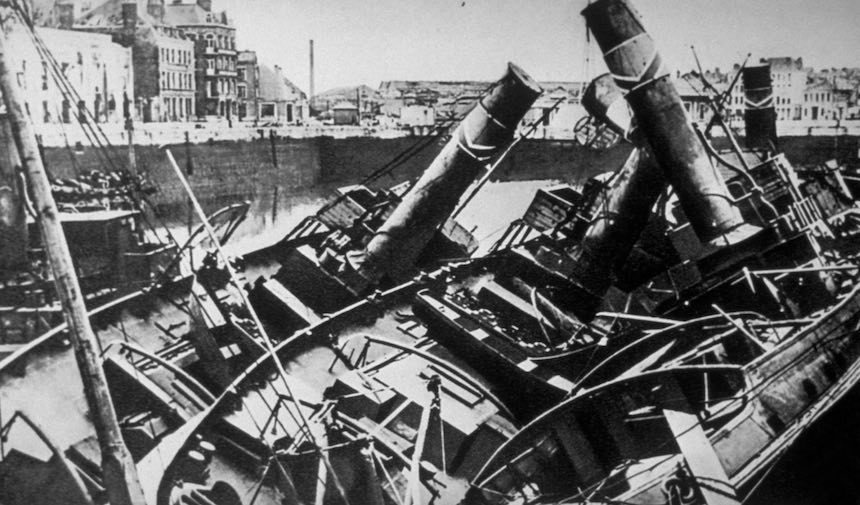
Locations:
column 129, row 130
column 120, row 475
column 13, row 216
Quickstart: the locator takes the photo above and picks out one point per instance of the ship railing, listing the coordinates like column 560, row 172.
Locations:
column 804, row 213
column 440, row 366
column 308, row 226
column 516, row 233
column 146, row 362
column 73, row 471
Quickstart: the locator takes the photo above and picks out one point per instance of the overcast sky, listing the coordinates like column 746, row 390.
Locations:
column 366, row 41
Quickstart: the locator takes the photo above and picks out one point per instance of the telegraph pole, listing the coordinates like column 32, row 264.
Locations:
column 120, row 475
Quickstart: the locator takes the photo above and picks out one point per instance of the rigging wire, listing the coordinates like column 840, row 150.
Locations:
column 103, row 149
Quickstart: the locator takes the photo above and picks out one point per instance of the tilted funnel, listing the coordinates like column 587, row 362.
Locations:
column 626, row 202
column 485, row 131
column 637, row 68
column 604, row 100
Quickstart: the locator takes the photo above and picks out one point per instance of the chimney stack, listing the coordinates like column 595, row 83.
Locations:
column 155, row 8
column 129, row 18
column 205, row 4
column 65, row 15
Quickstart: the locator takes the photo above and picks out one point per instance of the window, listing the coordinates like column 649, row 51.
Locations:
column 267, row 109
column 241, row 91
column 240, row 74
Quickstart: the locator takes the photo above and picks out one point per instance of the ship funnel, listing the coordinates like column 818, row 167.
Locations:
column 759, row 112
column 626, row 204
column 604, row 100
column 485, row 131
column 637, row 68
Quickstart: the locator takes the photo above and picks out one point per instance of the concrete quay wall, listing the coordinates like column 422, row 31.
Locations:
column 230, row 170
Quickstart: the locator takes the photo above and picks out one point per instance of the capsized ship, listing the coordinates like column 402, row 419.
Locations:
column 167, row 349
column 668, row 333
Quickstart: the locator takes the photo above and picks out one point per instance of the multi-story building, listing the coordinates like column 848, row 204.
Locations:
column 164, row 60
column 819, row 101
column 215, row 54
column 265, row 95
column 97, row 71
column 789, row 85
column 247, row 86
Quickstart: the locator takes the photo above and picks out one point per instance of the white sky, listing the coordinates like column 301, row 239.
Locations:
column 366, row 41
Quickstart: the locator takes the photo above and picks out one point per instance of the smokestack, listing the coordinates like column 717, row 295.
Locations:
column 635, row 63
column 129, row 18
column 623, row 212
column 625, row 205
column 65, row 15
column 311, row 61
column 486, row 130
column 759, row 112
column 155, row 8
column 604, row 100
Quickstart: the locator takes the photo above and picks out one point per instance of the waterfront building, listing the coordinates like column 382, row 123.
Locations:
column 215, row 55
column 247, row 86
column 789, row 85
column 164, row 59
column 99, row 70
column 265, row 95
column 819, row 101
column 344, row 113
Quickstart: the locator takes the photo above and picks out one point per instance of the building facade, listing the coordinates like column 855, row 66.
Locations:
column 175, row 74
column 265, row 95
column 215, row 54
column 789, row 85
column 163, row 57
column 247, row 86
column 98, row 70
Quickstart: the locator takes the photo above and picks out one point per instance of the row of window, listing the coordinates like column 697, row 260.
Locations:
column 219, row 41
column 177, row 80
column 817, row 97
column 221, row 64
column 175, row 56
column 177, row 108
column 221, row 87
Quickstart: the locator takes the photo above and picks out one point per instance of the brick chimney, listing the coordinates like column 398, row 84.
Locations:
column 155, row 8
column 129, row 20
column 65, row 15
column 205, row 4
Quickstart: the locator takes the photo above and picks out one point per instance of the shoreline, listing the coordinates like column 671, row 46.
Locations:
column 157, row 134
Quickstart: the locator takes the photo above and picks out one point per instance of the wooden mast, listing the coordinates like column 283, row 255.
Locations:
column 119, row 472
